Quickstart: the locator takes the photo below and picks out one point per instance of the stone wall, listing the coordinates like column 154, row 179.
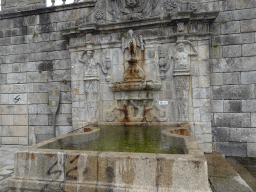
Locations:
column 14, row 4
column 233, row 59
column 34, row 59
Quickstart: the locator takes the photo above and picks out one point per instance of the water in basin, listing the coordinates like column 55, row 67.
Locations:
column 141, row 139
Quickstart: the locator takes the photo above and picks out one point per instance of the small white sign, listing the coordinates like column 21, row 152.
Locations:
column 163, row 102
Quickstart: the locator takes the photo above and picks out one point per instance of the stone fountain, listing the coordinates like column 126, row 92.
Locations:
column 133, row 62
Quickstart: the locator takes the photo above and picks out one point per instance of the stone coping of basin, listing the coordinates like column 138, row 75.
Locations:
column 48, row 169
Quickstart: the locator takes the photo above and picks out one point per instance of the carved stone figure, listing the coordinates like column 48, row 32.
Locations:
column 181, row 57
column 105, row 66
column 164, row 65
column 180, row 27
column 131, row 43
column 182, row 96
column 90, row 65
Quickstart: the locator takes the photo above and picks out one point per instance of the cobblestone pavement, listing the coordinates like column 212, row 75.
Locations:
column 6, row 165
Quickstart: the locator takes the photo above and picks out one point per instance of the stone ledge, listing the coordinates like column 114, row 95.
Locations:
column 222, row 176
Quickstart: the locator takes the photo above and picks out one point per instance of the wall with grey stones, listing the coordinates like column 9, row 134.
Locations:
column 233, row 72
column 34, row 59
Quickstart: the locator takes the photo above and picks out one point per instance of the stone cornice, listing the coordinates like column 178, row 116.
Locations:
column 182, row 16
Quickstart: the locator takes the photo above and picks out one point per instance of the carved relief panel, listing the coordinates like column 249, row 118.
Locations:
column 134, row 111
column 182, row 56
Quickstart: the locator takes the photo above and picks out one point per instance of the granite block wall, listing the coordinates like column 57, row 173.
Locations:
column 34, row 59
column 233, row 59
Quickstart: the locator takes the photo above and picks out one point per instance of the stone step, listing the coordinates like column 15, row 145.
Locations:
column 222, row 176
column 248, row 175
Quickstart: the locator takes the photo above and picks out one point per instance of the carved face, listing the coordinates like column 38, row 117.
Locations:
column 180, row 47
column 131, row 3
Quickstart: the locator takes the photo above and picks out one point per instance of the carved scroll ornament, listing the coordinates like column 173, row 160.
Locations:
column 136, row 111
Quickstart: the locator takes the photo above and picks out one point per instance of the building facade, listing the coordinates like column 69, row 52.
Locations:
column 159, row 62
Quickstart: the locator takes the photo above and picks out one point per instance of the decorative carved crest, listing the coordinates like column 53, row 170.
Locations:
column 131, row 9
column 173, row 6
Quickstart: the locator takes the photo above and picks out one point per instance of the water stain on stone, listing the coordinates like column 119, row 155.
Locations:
column 197, row 163
column 30, row 156
column 49, row 155
column 164, row 173
column 110, row 174
column 127, row 171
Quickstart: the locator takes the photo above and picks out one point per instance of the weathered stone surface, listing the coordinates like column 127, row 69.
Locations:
column 251, row 149
column 36, row 98
column 43, row 130
column 20, row 120
column 230, row 27
column 247, row 135
column 231, row 51
column 14, row 131
column 232, row 106
column 38, row 120
column 248, row 25
column 217, row 79
column 249, row 49
column 16, row 78
column 249, row 106
column 10, row 140
column 232, row 78
column 217, row 106
column 248, row 77
column 13, row 109
column 40, row 76
column 253, row 119
column 220, row 134
column 233, row 92
column 233, row 120
column 232, row 149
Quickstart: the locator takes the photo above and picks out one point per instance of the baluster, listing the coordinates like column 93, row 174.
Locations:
column 64, row 2
column 53, row 2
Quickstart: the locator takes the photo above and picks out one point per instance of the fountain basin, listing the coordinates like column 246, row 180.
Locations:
column 80, row 170
column 136, row 85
